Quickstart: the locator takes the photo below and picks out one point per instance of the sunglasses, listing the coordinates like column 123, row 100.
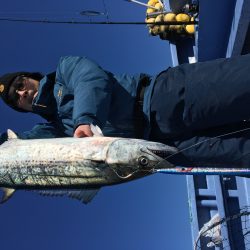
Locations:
column 19, row 84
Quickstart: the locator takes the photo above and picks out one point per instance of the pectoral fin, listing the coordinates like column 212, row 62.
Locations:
column 84, row 196
column 7, row 194
column 96, row 130
column 11, row 134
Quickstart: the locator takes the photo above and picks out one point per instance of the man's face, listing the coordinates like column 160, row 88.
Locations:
column 22, row 92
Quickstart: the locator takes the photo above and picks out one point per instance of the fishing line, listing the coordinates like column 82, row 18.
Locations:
column 216, row 137
column 198, row 143
column 38, row 12
column 96, row 23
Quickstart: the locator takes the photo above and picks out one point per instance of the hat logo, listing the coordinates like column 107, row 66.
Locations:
column 1, row 88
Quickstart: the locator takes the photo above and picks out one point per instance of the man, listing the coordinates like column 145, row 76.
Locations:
column 202, row 109
column 78, row 94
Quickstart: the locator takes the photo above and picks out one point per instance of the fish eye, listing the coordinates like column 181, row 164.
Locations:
column 143, row 161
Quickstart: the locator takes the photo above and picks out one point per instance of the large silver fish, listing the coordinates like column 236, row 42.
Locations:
column 76, row 167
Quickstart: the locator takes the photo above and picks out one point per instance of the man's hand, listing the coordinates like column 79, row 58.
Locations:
column 83, row 131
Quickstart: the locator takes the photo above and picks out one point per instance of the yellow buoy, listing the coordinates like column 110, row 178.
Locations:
column 150, row 20
column 155, row 30
column 169, row 17
column 159, row 18
column 182, row 18
column 190, row 29
column 151, row 32
column 150, row 10
column 163, row 28
column 178, row 28
column 158, row 6
column 152, row 2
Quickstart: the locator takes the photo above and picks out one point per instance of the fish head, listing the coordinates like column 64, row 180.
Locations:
column 129, row 156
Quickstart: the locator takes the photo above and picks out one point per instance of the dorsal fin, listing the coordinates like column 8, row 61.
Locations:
column 84, row 196
column 7, row 194
column 11, row 134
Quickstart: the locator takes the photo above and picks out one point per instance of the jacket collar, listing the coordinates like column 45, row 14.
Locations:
column 44, row 103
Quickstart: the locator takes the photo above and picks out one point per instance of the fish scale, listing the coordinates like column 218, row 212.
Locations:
column 77, row 163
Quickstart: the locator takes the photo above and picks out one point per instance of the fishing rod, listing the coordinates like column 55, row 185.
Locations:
column 179, row 170
column 95, row 23
column 205, row 170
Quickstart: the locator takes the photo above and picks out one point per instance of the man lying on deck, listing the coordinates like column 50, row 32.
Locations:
column 203, row 109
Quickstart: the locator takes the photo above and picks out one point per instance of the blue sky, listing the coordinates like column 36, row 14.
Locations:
column 150, row 213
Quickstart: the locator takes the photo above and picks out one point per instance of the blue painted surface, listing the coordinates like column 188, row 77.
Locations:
column 122, row 217
column 183, row 48
column 235, row 27
column 221, row 33
column 215, row 19
column 205, row 171
column 240, row 23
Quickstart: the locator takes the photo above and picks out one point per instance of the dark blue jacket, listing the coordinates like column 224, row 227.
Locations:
column 81, row 92
column 202, row 108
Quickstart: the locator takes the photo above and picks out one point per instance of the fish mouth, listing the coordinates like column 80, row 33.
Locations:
column 163, row 156
column 161, row 153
